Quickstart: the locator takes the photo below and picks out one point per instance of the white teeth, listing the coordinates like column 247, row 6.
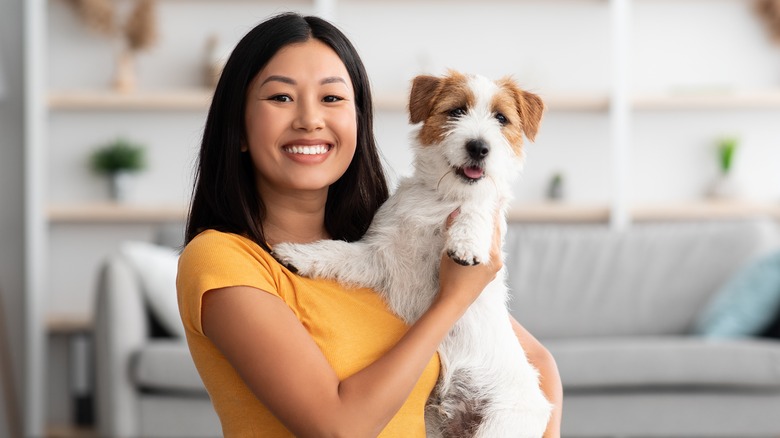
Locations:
column 307, row 150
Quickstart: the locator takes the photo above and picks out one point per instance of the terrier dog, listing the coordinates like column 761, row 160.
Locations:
column 468, row 150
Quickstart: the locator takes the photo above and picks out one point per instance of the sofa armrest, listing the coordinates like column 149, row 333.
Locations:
column 121, row 329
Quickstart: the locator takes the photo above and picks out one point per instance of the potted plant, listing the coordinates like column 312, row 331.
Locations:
column 725, row 186
column 119, row 160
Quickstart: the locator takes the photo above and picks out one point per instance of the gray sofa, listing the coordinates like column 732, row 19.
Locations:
column 615, row 308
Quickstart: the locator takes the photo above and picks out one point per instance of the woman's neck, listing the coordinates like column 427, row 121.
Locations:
column 295, row 219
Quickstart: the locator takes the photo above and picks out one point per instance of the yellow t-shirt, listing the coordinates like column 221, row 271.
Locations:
column 352, row 327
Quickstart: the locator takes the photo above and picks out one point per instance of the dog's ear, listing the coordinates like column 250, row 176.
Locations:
column 531, row 110
column 529, row 107
column 421, row 98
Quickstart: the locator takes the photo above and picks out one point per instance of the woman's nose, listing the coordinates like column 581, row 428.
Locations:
column 309, row 116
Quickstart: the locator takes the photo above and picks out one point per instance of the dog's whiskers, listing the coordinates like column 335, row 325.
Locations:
column 444, row 176
column 490, row 177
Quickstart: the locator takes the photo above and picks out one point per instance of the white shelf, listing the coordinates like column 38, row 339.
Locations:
column 705, row 210
column 199, row 99
column 559, row 212
column 746, row 99
column 115, row 213
column 68, row 323
column 193, row 99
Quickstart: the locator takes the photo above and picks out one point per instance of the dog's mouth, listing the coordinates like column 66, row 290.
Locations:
column 470, row 174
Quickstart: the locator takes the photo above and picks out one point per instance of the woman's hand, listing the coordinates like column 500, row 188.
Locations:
column 463, row 284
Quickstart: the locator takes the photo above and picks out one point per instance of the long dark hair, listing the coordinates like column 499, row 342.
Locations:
column 224, row 194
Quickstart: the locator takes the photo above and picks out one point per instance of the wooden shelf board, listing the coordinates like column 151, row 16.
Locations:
column 115, row 213
column 520, row 212
column 194, row 99
column 694, row 210
column 757, row 99
column 705, row 210
column 68, row 323
column 199, row 99
column 558, row 212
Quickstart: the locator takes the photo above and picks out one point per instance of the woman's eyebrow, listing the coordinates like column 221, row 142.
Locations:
column 278, row 78
column 291, row 81
column 333, row 79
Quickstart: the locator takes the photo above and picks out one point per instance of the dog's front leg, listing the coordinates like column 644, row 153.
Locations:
column 332, row 259
column 470, row 236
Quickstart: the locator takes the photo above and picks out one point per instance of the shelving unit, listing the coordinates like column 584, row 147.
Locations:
column 115, row 213
column 617, row 106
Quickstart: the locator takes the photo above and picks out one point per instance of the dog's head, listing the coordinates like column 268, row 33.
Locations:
column 476, row 125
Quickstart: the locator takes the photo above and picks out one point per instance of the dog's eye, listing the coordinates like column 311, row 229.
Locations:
column 458, row 112
column 502, row 119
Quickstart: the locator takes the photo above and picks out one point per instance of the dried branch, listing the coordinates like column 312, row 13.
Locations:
column 769, row 11
column 141, row 27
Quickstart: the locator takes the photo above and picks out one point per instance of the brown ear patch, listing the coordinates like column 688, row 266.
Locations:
column 530, row 107
column 452, row 91
column 421, row 97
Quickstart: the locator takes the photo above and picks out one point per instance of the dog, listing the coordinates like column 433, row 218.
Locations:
column 468, row 150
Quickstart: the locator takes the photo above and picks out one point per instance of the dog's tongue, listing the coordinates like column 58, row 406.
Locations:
column 473, row 172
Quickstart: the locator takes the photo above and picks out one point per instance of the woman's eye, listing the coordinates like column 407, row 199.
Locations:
column 331, row 99
column 280, row 98
column 502, row 119
column 458, row 112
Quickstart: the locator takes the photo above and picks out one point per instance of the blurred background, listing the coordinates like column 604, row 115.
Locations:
column 656, row 110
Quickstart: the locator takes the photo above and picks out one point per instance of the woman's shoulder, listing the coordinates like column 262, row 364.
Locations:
column 224, row 247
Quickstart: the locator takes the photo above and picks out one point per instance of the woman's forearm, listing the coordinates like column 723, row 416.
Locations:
column 393, row 376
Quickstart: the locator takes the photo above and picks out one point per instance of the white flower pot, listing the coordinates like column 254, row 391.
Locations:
column 725, row 187
column 120, row 185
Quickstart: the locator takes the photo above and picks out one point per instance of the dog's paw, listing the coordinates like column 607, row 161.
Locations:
column 462, row 258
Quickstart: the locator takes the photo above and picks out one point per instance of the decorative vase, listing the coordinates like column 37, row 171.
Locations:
column 725, row 187
column 125, row 77
column 555, row 188
column 120, row 183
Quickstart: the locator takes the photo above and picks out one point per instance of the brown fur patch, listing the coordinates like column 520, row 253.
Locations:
column 530, row 107
column 504, row 102
column 452, row 91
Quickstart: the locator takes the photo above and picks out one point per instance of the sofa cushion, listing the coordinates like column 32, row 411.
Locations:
column 747, row 303
column 156, row 267
column 658, row 362
column 166, row 366
column 649, row 280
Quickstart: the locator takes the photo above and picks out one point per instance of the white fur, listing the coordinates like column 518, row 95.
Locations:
column 483, row 363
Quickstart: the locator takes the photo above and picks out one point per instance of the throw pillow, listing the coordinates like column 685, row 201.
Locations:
column 746, row 304
column 156, row 267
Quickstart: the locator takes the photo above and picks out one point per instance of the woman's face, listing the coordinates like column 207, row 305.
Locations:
column 300, row 120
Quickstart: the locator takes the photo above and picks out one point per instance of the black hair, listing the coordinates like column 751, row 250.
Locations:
column 225, row 196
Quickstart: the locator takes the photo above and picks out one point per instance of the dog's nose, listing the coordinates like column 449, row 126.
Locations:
column 477, row 149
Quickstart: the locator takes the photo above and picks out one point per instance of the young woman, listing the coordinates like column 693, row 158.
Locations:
column 288, row 155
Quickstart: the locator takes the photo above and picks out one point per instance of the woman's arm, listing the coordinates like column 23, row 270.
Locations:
column 271, row 350
column 549, row 378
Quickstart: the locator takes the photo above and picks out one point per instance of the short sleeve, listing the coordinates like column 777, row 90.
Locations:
column 214, row 260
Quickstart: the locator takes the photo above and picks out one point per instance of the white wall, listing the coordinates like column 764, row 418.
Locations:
column 548, row 46
column 11, row 191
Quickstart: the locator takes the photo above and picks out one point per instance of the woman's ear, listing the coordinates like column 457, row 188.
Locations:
column 421, row 98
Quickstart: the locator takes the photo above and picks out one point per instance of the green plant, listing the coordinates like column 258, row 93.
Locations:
column 727, row 147
column 119, row 155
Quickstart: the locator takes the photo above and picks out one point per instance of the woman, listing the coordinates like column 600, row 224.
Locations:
column 288, row 155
